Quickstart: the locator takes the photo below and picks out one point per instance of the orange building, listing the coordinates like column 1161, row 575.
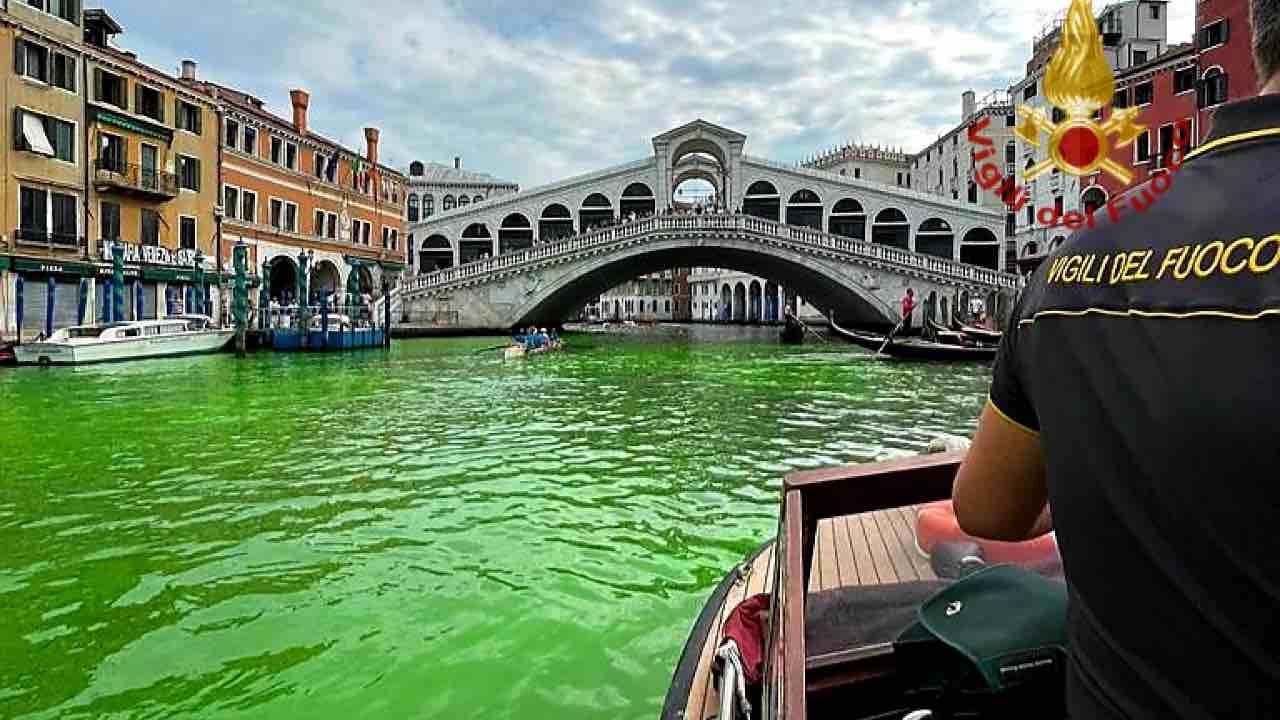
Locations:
column 287, row 192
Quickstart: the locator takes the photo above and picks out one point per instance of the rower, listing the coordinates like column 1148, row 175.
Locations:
column 1140, row 404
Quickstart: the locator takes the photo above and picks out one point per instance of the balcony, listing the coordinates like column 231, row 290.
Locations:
column 39, row 237
column 132, row 179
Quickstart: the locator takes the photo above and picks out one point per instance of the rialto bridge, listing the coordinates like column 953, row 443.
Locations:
column 848, row 245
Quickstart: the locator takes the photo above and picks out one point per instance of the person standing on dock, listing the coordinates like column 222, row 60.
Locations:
column 1137, row 406
column 908, row 307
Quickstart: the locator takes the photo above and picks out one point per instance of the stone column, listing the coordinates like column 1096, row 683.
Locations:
column 162, row 293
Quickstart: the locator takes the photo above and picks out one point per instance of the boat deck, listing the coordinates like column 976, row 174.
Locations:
column 876, row 548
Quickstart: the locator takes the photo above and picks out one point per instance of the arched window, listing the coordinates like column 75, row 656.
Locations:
column 413, row 208
column 1213, row 90
column 463, row 201
column 1030, row 249
column 973, row 192
column 449, row 203
column 428, row 206
column 478, row 198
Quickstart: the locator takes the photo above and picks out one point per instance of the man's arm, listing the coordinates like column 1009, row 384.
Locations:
column 1000, row 491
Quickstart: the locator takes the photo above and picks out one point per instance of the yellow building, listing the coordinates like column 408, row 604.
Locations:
column 153, row 175
column 42, row 169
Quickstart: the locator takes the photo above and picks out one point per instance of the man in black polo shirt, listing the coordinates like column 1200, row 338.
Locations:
column 1138, row 394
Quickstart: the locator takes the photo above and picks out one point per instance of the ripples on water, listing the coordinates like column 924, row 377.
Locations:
column 431, row 532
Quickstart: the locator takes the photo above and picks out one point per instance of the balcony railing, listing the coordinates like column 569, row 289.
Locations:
column 135, row 179
column 39, row 237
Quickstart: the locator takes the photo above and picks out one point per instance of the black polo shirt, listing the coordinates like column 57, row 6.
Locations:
column 1145, row 352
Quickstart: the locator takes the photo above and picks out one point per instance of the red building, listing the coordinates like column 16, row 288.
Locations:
column 1178, row 92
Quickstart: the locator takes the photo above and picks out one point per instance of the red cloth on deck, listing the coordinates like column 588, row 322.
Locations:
column 746, row 626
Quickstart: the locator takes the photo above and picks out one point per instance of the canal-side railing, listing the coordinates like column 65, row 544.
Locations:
column 816, row 239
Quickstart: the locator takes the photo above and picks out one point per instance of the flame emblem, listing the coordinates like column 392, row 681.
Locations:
column 1079, row 82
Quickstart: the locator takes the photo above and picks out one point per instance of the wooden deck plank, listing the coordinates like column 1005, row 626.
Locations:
column 867, row 574
column 848, row 565
column 902, row 564
column 905, row 523
column 830, row 556
column 879, row 553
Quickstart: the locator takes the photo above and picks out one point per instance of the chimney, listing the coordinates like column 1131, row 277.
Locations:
column 301, row 101
column 969, row 105
column 371, row 141
column 189, row 70
column 457, row 163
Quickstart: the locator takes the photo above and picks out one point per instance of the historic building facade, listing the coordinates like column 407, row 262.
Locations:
column 295, row 197
column 865, row 162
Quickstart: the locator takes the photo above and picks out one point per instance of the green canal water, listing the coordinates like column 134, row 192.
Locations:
column 430, row 532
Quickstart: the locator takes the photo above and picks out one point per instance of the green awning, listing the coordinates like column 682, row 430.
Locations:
column 392, row 266
column 54, row 267
column 354, row 261
column 107, row 117
column 4, row 262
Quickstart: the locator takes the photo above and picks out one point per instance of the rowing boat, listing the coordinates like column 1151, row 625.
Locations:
column 914, row 348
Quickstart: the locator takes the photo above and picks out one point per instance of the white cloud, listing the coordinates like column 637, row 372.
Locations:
column 538, row 90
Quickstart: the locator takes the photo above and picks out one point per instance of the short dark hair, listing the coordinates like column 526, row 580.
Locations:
column 1266, row 38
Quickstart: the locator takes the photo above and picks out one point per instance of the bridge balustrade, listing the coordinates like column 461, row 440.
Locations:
column 742, row 223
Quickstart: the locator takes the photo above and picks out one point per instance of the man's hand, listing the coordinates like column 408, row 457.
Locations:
column 1000, row 491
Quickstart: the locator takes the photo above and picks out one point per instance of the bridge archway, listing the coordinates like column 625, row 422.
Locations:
column 763, row 201
column 891, row 228
column 435, row 254
column 364, row 279
column 476, row 243
column 637, row 198
column 771, row 313
column 739, row 303
column 596, row 210
column 514, row 234
column 935, row 237
column 848, row 219
column 556, row 222
column 804, row 209
column 755, row 299
column 726, row 303
column 980, row 247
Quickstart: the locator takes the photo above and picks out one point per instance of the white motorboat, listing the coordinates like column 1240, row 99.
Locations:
column 81, row 344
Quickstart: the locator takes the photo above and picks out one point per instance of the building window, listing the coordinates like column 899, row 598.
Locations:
column 1184, row 79
column 62, row 209
column 277, row 150
column 231, row 202
column 276, row 213
column 109, row 221
column 1010, row 120
column 251, row 140
column 1165, row 147
column 1142, row 94
column 332, row 230
column 448, row 204
column 110, row 89
column 150, row 227
column 1031, row 215
column 1212, row 90
column 64, row 72
column 68, row 10
column 1214, row 34
column 249, row 206
column 187, row 233
column 412, row 213
column 1139, row 57
column 189, row 117
column 1155, row 11
column 31, row 60
column 45, row 135
column 428, row 206
column 188, row 173
column 908, row 180
column 317, row 225
column 291, row 217
column 857, row 173
column 1121, row 100
column 973, row 193
column 232, row 134
column 368, row 230
column 1029, row 92
column 1142, row 148
column 149, row 102
column 1057, row 205
column 34, row 213
column 291, row 156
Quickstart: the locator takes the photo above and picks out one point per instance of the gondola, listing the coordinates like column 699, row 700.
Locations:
column 982, row 335
column 944, row 335
column 914, row 348
column 837, row 616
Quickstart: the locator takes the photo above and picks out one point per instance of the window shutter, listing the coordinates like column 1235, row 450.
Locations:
column 161, row 106
column 17, row 129
column 137, row 97
column 19, row 57
column 1226, row 30
column 1222, row 88
column 97, row 84
column 71, row 73
column 195, row 164
column 1201, row 90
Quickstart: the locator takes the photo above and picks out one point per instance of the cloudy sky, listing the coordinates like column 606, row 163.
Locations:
column 538, row 90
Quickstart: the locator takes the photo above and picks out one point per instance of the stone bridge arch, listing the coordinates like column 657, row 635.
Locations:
column 829, row 285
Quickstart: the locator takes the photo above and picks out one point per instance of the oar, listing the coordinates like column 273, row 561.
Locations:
column 491, row 349
column 889, row 338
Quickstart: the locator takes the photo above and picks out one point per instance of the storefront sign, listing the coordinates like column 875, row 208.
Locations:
column 51, row 267
column 150, row 255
